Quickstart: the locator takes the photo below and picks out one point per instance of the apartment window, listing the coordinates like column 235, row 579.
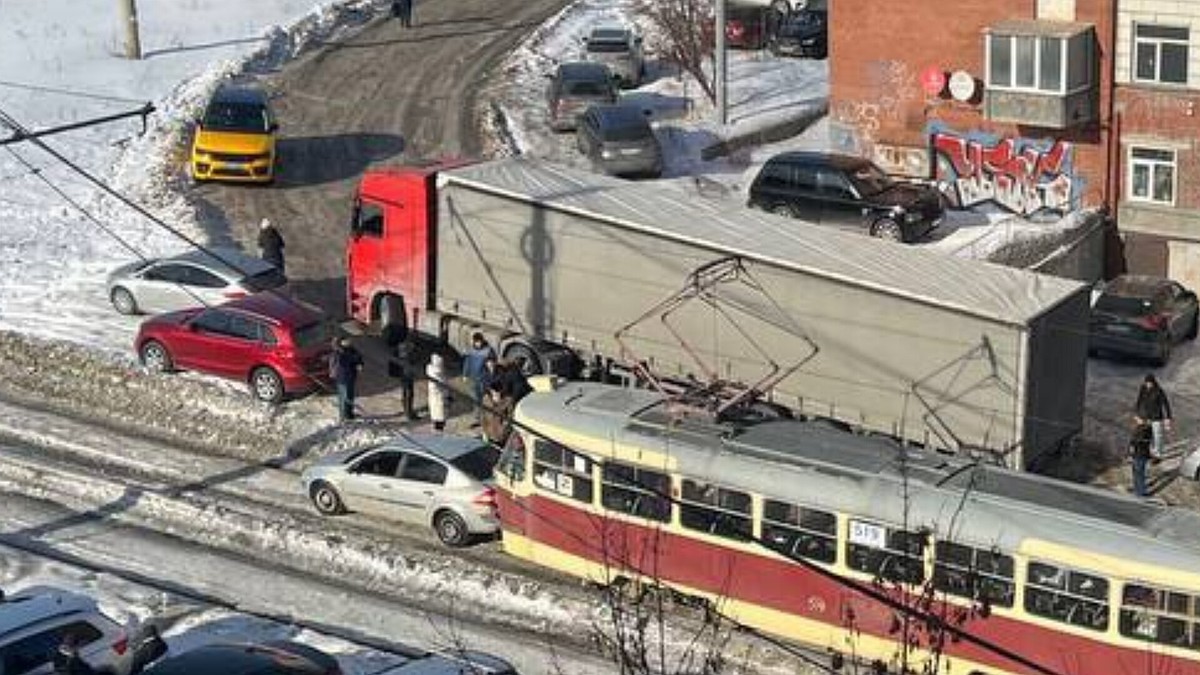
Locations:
column 1160, row 54
column 1039, row 64
column 1152, row 175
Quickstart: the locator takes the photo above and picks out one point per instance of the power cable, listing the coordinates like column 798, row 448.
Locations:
column 68, row 92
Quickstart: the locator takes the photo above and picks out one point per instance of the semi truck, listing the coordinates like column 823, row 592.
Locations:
column 561, row 267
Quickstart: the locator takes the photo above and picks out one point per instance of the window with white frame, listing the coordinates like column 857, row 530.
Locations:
column 1160, row 54
column 1152, row 175
column 1039, row 63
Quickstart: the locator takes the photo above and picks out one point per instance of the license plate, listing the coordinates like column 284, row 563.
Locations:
column 1118, row 328
column 631, row 151
column 236, row 166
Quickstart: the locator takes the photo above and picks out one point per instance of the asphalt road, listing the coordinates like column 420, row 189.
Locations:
column 383, row 94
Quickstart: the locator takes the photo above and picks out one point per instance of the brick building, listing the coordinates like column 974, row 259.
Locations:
column 1008, row 101
column 1157, row 117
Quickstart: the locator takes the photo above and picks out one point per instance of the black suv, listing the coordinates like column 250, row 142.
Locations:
column 848, row 192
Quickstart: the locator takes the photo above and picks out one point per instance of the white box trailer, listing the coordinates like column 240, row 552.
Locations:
column 952, row 353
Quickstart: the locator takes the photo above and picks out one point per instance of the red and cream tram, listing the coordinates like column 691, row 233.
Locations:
column 1074, row 579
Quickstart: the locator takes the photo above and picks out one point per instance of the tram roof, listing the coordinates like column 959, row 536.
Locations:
column 815, row 463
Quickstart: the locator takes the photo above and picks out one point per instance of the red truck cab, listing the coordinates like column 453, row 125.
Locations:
column 390, row 253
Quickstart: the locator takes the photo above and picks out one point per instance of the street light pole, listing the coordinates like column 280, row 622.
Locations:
column 721, row 77
column 133, row 42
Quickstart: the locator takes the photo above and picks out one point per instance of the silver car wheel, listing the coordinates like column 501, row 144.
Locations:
column 122, row 301
column 266, row 385
column 326, row 499
column 450, row 528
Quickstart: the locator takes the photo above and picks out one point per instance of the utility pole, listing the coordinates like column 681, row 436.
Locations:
column 722, row 74
column 133, row 42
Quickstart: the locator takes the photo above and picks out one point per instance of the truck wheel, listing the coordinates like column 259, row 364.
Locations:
column 525, row 358
column 393, row 321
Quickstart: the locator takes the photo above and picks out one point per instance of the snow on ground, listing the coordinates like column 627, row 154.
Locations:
column 60, row 63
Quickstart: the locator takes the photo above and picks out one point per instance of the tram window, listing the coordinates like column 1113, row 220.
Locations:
column 636, row 491
column 562, row 471
column 715, row 510
column 888, row 553
column 974, row 573
column 795, row 530
column 512, row 460
column 1160, row 615
column 1062, row 594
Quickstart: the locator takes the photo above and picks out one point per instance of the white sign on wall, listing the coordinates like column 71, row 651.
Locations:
column 962, row 86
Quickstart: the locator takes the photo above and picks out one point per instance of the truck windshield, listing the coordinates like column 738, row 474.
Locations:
column 244, row 117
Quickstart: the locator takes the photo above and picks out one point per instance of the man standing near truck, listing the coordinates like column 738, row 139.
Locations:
column 475, row 369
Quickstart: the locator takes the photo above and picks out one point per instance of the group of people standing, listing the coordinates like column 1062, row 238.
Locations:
column 496, row 387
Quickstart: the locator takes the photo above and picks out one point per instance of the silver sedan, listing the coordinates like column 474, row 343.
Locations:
column 441, row 481
column 192, row 279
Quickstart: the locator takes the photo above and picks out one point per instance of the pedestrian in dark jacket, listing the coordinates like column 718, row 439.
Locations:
column 1139, row 456
column 1153, row 408
column 67, row 660
column 403, row 10
column 270, row 242
column 404, row 366
column 344, row 366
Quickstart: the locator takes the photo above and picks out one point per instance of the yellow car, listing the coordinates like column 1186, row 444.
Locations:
column 235, row 140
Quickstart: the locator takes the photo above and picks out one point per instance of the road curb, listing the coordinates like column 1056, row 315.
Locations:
column 770, row 133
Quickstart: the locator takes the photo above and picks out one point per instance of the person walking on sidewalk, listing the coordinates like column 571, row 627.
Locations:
column 476, row 370
column 1154, row 409
column 439, row 394
column 1139, row 457
column 403, row 10
column 270, row 243
column 344, row 365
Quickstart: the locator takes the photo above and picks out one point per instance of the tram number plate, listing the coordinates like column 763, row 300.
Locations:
column 868, row 534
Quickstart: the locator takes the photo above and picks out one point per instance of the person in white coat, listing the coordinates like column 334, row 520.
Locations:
column 435, row 372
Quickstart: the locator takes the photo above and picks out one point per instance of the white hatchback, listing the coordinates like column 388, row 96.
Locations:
column 34, row 623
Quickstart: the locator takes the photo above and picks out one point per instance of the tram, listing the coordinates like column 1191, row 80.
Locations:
column 796, row 528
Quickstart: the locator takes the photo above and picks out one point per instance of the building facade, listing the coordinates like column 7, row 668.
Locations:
column 1007, row 102
column 1157, row 115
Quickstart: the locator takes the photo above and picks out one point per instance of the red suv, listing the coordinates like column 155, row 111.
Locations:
column 275, row 344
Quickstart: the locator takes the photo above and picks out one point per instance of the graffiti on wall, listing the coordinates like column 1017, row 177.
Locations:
column 1021, row 175
column 893, row 84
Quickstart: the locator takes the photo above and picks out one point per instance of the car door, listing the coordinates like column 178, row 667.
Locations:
column 840, row 204
column 421, row 479
column 368, row 483
column 163, row 288
column 210, row 344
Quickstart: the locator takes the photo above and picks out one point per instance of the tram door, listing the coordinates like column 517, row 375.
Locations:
column 513, row 488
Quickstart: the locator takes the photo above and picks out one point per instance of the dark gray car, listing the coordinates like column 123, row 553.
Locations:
column 619, row 141
column 574, row 87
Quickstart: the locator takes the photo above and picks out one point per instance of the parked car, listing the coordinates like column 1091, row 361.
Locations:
column 191, row 279
column 803, row 33
column 618, row 140
column 443, row 481
column 619, row 48
column 235, row 138
column 280, row 657
column 747, row 27
column 847, row 192
column 1190, row 467
column 277, row 345
column 783, row 7
column 575, row 86
column 1142, row 316
column 35, row 622
column 464, row 663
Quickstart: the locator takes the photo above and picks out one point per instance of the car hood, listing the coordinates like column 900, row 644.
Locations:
column 128, row 269
column 906, row 195
column 233, row 142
